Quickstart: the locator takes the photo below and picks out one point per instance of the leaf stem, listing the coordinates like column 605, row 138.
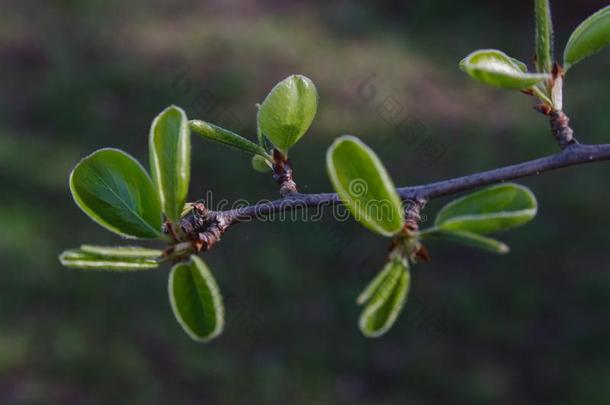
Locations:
column 544, row 36
column 542, row 96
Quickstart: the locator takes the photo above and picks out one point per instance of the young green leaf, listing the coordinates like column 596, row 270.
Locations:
column 170, row 159
column 373, row 286
column 262, row 140
column 468, row 239
column 79, row 259
column 196, row 300
column 122, row 252
column 260, row 164
column 364, row 186
column 590, row 37
column 227, row 137
column 386, row 302
column 544, row 36
column 288, row 111
column 495, row 208
column 114, row 190
column 496, row 68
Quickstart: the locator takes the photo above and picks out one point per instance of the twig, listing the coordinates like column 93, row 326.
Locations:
column 575, row 154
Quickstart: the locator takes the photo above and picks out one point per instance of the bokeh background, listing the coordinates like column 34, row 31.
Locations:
column 530, row 327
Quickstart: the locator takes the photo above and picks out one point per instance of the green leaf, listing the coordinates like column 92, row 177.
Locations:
column 364, row 186
column 79, row 259
column 260, row 164
column 496, row 68
column 196, row 300
column 469, row 239
column 386, row 301
column 373, row 286
column 122, row 252
column 492, row 209
column 226, row 137
column 170, row 159
column 288, row 111
column 116, row 192
column 590, row 37
column 262, row 140
column 544, row 36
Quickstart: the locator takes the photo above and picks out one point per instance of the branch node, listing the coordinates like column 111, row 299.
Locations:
column 282, row 174
column 560, row 126
column 413, row 214
column 407, row 242
column 204, row 227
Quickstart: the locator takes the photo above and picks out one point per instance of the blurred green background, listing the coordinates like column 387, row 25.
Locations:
column 531, row 327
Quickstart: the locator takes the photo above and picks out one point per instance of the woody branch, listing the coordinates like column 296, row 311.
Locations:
column 204, row 227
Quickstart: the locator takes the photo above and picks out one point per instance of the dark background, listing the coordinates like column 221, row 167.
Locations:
column 531, row 327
